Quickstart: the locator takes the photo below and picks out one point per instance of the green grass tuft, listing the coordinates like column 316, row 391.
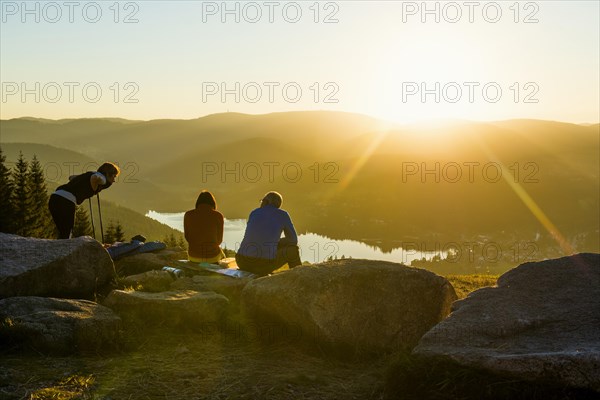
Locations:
column 465, row 284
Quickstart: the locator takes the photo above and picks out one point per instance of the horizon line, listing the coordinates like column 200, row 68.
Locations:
column 382, row 120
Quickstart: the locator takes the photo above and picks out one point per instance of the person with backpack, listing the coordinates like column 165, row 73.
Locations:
column 203, row 230
column 263, row 250
column 67, row 197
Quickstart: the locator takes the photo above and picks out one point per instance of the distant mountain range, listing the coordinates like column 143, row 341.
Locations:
column 345, row 175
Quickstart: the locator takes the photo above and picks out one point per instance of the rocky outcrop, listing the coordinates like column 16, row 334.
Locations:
column 151, row 281
column 72, row 268
column 61, row 326
column 361, row 305
column 177, row 309
column 541, row 323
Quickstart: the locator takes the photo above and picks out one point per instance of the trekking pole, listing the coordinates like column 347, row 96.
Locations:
column 92, row 217
column 100, row 217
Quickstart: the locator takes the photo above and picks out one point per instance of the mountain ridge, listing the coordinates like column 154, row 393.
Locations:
column 416, row 181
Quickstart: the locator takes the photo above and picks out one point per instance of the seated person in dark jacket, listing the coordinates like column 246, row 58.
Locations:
column 262, row 250
column 203, row 229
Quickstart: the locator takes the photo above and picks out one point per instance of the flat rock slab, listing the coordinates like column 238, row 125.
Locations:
column 151, row 281
column 143, row 262
column 363, row 306
column 224, row 285
column 541, row 323
column 70, row 268
column 184, row 308
column 57, row 326
column 139, row 263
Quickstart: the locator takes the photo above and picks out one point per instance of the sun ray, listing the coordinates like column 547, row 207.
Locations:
column 357, row 166
column 529, row 202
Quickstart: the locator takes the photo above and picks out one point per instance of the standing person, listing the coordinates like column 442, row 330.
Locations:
column 67, row 197
column 203, row 230
column 263, row 250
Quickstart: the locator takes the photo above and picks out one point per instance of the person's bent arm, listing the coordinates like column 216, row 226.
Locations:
column 97, row 180
column 289, row 231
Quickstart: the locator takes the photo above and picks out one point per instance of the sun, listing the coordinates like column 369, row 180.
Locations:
column 422, row 80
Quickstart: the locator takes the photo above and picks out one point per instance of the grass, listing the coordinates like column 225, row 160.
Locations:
column 216, row 365
column 190, row 366
column 69, row 388
column 465, row 284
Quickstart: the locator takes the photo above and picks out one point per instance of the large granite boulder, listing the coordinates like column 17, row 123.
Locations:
column 360, row 306
column 541, row 323
column 177, row 309
column 71, row 268
column 59, row 326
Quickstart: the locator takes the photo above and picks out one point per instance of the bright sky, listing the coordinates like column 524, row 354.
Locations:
column 390, row 59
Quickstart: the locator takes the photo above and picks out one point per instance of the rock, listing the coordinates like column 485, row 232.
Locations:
column 361, row 305
column 224, row 285
column 175, row 309
column 151, row 281
column 143, row 262
column 58, row 325
column 139, row 263
column 72, row 268
column 173, row 254
column 541, row 323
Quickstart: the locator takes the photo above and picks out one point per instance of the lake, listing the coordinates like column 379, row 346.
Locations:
column 314, row 248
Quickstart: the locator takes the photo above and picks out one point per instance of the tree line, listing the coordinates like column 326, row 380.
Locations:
column 24, row 199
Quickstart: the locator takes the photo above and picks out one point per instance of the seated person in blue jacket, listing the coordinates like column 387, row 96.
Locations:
column 263, row 250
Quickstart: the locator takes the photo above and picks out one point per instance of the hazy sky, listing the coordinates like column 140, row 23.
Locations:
column 390, row 59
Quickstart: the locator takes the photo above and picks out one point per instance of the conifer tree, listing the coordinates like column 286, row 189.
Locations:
column 170, row 240
column 82, row 225
column 119, row 235
column 182, row 243
column 39, row 220
column 109, row 235
column 21, row 197
column 6, row 200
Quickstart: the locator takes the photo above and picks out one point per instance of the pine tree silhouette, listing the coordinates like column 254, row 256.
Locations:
column 182, row 243
column 82, row 226
column 7, row 210
column 39, row 220
column 119, row 234
column 170, row 240
column 109, row 235
column 21, row 197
